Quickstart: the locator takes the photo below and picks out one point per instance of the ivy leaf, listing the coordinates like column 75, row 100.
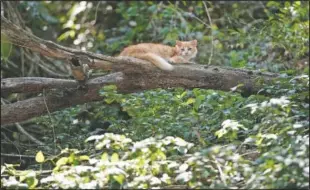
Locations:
column 32, row 182
column 114, row 157
column 40, row 157
column 84, row 157
column 109, row 88
column 105, row 157
column 119, row 178
column 62, row 161
column 190, row 101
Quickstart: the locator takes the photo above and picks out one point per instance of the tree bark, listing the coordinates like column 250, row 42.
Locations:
column 183, row 76
column 131, row 75
column 51, row 101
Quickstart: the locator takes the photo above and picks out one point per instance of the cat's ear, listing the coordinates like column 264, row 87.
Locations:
column 178, row 43
column 194, row 42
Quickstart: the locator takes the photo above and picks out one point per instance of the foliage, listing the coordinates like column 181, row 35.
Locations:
column 184, row 138
column 274, row 130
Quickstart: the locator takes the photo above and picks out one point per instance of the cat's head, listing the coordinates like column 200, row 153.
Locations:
column 186, row 49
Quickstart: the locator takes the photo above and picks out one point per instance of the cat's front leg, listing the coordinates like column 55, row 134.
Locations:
column 177, row 59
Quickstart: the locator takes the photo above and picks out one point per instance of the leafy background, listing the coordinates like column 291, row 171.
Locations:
column 173, row 138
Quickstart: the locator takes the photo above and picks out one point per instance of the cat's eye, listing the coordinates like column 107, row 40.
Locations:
column 189, row 48
column 182, row 49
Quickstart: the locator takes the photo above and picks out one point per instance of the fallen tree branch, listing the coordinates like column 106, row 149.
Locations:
column 196, row 76
column 184, row 76
column 23, row 110
column 34, row 84
column 136, row 75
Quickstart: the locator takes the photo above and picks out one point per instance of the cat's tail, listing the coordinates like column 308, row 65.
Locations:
column 156, row 60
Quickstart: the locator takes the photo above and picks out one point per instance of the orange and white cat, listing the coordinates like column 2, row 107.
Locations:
column 160, row 55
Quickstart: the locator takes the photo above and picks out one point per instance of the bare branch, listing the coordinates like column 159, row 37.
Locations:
column 17, row 155
column 30, row 137
column 212, row 38
column 20, row 37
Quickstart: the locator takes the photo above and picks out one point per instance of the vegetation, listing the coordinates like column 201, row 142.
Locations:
column 165, row 138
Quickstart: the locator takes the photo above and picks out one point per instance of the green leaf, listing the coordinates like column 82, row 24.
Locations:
column 183, row 94
column 62, row 161
column 64, row 36
column 2, row 169
column 109, row 88
column 22, row 178
column 114, row 157
column 119, row 178
column 198, row 101
column 105, row 156
column 84, row 157
column 40, row 157
column 152, row 8
column 109, row 100
column 32, row 182
column 190, row 101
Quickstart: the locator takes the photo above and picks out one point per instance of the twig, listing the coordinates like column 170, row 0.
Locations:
column 21, row 144
column 175, row 187
column 96, row 13
column 12, row 63
column 198, row 136
column 30, row 70
column 50, row 72
column 43, row 66
column 13, row 143
column 22, row 59
column 192, row 15
column 212, row 39
column 252, row 152
column 15, row 155
column 239, row 148
column 23, row 131
column 222, row 176
column 189, row 14
column 182, row 19
column 2, row 9
column 50, row 116
column 64, row 68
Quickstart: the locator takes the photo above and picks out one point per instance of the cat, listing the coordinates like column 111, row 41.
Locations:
column 160, row 55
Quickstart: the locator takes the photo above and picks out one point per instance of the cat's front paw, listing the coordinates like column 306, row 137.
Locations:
column 191, row 62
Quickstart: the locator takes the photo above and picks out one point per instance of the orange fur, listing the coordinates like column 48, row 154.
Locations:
column 160, row 55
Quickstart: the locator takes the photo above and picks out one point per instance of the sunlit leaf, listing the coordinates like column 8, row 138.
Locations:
column 119, row 178
column 84, row 157
column 40, row 157
column 190, row 101
column 114, row 157
column 62, row 161
column 105, row 157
